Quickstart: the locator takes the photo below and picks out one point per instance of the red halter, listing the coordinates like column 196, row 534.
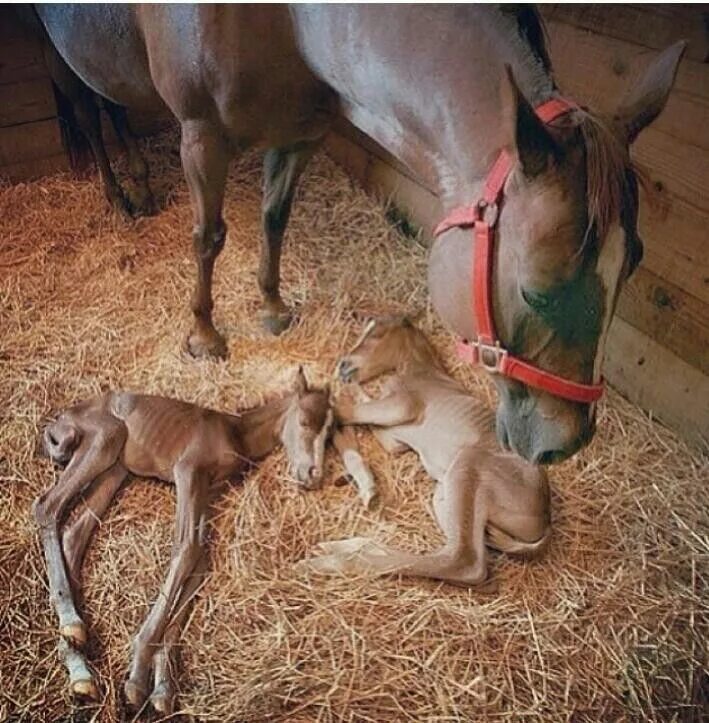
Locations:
column 486, row 349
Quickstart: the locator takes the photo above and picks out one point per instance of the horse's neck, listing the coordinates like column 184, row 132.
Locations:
column 260, row 428
column 425, row 83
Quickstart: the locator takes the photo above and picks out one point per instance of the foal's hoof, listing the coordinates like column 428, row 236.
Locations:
column 75, row 633
column 205, row 345
column 136, row 695
column 85, row 689
column 163, row 700
column 276, row 322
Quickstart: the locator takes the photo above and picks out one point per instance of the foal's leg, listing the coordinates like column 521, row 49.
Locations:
column 282, row 168
column 165, row 658
column 75, row 537
column 461, row 509
column 205, row 157
column 190, row 536
column 97, row 452
column 400, row 407
column 141, row 201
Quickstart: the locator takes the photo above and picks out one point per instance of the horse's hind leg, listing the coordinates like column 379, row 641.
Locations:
column 141, row 199
column 282, row 168
column 76, row 536
column 86, row 114
column 205, row 157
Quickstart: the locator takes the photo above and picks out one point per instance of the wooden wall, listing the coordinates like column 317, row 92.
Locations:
column 658, row 352
column 30, row 136
column 31, row 142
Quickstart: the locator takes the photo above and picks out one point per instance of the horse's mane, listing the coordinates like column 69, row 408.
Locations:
column 609, row 172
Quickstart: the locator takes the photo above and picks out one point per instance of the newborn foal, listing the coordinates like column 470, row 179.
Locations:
column 104, row 439
column 485, row 495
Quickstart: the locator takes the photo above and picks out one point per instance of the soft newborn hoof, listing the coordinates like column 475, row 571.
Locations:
column 75, row 633
column 85, row 689
column 135, row 694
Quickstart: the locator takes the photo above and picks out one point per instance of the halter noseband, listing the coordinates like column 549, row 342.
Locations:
column 482, row 217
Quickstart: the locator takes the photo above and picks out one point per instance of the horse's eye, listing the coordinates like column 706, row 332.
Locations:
column 538, row 301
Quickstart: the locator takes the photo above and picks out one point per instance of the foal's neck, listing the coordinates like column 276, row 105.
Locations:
column 260, row 428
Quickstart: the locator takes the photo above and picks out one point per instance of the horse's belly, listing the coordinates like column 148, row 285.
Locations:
column 104, row 47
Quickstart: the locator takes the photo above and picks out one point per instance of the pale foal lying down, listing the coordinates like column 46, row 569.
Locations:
column 485, row 496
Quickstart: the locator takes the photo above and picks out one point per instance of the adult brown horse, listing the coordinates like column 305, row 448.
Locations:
column 425, row 83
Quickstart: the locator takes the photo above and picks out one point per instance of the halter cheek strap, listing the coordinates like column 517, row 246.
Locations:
column 482, row 218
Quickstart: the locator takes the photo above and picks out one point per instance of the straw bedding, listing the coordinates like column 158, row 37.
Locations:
column 610, row 625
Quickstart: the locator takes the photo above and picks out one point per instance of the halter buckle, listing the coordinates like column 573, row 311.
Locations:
column 487, row 211
column 491, row 356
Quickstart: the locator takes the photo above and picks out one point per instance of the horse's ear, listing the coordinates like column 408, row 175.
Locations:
column 525, row 133
column 301, row 383
column 646, row 99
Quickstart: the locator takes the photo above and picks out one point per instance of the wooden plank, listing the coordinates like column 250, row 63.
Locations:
column 29, row 142
column 25, row 101
column 658, row 381
column 36, row 168
column 675, row 238
column 667, row 314
column 21, row 59
column 599, row 70
column 653, row 26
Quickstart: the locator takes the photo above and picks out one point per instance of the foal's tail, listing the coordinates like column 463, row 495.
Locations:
column 499, row 540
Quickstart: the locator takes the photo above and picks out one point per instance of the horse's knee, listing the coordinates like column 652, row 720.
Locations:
column 208, row 242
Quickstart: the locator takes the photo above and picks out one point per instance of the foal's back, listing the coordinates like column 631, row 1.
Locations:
column 163, row 432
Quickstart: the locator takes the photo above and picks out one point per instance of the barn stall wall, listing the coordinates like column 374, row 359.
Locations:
column 31, row 140
column 657, row 352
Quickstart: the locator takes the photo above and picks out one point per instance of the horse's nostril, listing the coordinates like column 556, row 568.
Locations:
column 52, row 440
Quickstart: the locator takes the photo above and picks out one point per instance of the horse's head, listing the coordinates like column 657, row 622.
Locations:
column 566, row 240
column 306, row 425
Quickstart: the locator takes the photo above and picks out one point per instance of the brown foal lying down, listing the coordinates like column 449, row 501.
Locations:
column 485, row 496
column 104, row 439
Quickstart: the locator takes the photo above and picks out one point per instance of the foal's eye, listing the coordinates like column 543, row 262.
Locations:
column 538, row 301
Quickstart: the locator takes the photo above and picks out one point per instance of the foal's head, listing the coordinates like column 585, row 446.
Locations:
column 306, row 425
column 61, row 438
column 565, row 242
column 386, row 344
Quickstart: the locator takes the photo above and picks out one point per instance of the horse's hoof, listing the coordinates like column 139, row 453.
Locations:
column 75, row 633
column 205, row 345
column 276, row 324
column 163, row 700
column 85, row 689
column 135, row 694
column 142, row 204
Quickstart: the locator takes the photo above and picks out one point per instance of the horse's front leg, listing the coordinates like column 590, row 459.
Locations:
column 189, row 545
column 282, row 168
column 205, row 158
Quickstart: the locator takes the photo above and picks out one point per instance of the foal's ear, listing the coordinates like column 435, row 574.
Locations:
column 524, row 132
column 301, row 383
column 646, row 99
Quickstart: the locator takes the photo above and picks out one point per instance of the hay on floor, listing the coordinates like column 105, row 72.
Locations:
column 610, row 625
